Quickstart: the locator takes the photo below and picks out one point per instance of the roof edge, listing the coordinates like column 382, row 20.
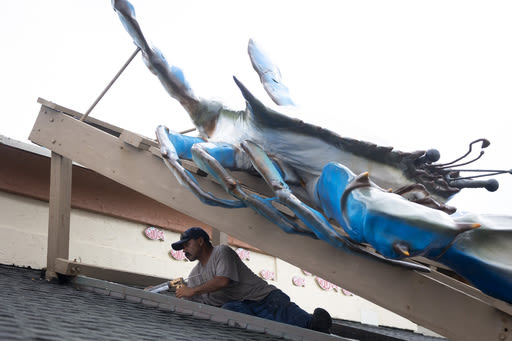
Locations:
column 198, row 310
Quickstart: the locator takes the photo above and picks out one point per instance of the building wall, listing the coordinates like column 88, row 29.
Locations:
column 121, row 244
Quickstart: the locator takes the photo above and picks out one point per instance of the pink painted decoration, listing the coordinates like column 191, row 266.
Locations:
column 325, row 285
column 178, row 255
column 346, row 292
column 299, row 281
column 243, row 254
column 307, row 273
column 153, row 233
column 268, row 275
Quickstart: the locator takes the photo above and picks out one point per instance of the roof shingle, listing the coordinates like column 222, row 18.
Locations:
column 35, row 309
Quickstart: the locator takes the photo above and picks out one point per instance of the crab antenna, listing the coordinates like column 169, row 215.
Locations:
column 488, row 171
column 485, row 144
column 465, row 163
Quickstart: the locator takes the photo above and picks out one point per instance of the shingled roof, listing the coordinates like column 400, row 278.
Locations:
column 35, row 309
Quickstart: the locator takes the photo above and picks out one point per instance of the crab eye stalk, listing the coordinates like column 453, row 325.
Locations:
column 491, row 185
column 430, row 156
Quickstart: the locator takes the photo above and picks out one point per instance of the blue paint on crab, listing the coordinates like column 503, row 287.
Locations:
column 178, row 73
column 266, row 209
column 171, row 77
column 183, row 144
column 329, row 191
column 184, row 177
column 394, row 226
column 483, row 256
column 270, row 76
column 222, row 152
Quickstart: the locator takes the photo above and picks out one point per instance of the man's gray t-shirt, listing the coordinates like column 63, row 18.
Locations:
column 244, row 284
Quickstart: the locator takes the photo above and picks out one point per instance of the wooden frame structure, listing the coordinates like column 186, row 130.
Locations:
column 433, row 300
column 59, row 207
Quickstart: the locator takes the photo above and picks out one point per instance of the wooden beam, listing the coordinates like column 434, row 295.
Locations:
column 427, row 301
column 106, row 127
column 71, row 268
column 59, row 211
column 219, row 237
column 137, row 140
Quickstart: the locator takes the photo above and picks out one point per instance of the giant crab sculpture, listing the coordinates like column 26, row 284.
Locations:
column 312, row 171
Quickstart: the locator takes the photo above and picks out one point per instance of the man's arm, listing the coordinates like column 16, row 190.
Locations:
column 214, row 284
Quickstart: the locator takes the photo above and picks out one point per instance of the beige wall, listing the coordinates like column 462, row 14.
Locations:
column 120, row 244
column 23, row 231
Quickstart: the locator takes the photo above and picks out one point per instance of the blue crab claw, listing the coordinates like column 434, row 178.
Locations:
column 483, row 256
column 270, row 76
column 172, row 146
column 399, row 228
column 394, row 226
column 171, row 77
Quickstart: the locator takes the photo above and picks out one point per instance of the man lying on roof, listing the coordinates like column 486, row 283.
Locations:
column 221, row 279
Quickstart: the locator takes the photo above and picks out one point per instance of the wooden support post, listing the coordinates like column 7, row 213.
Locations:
column 219, row 237
column 59, row 212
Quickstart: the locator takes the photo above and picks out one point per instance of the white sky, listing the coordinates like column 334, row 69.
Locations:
column 411, row 74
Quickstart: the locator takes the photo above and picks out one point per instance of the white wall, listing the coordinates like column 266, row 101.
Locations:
column 23, row 231
column 119, row 244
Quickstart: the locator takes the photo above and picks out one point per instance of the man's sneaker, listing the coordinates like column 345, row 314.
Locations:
column 321, row 321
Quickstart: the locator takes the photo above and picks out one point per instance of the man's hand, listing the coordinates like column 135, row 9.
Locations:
column 185, row 292
column 214, row 284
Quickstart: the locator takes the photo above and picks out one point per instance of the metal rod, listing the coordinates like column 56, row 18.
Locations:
column 484, row 170
column 187, row 131
column 110, row 84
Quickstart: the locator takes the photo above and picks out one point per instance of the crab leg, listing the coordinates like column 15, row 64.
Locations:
column 270, row 76
column 172, row 146
column 203, row 156
column 313, row 219
column 171, row 77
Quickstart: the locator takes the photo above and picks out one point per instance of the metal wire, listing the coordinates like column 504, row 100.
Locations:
column 110, row 84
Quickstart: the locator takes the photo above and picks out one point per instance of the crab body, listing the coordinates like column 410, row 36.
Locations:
column 280, row 135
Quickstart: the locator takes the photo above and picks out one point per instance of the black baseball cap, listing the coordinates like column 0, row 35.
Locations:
column 191, row 233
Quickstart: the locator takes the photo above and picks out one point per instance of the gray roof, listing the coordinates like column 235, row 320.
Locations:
column 33, row 308
column 364, row 332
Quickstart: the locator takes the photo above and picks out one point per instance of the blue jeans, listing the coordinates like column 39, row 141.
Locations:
column 276, row 306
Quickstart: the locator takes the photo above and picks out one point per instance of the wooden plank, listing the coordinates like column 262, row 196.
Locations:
column 71, row 268
column 59, row 211
column 107, row 127
column 141, row 142
column 449, row 311
column 137, row 140
column 469, row 290
column 219, row 237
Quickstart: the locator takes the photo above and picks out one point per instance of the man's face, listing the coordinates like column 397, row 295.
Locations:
column 192, row 248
